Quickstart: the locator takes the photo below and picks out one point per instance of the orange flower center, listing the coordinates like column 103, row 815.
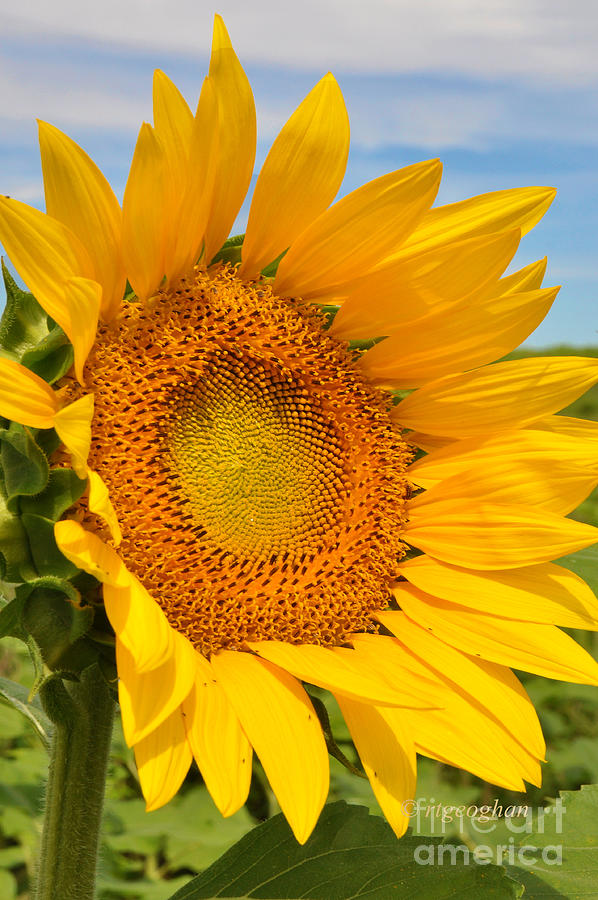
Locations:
column 257, row 478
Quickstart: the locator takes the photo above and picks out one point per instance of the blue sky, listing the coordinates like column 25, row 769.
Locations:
column 503, row 91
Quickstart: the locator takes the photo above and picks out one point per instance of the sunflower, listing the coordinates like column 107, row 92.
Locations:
column 304, row 465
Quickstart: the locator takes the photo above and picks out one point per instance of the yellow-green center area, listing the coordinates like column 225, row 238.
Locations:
column 257, row 459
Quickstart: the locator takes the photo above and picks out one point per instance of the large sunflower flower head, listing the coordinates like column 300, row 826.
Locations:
column 301, row 463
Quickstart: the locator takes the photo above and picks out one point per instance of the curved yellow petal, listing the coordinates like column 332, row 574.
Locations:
column 25, row 397
column 100, row 504
column 456, row 338
column 356, row 233
column 542, row 649
column 529, row 278
column 219, row 744
column 45, row 254
column 486, row 536
column 145, row 213
column 418, row 285
column 387, row 752
column 582, row 429
column 163, row 759
column 483, row 214
column 428, row 442
column 73, row 427
column 545, row 593
column 494, row 687
column 300, row 177
column 89, row 552
column 279, row 720
column 148, row 698
column 236, row 138
column 521, row 447
column 173, row 126
column 83, row 302
column 502, row 396
column 558, row 488
column 79, row 196
column 196, row 202
column 339, row 670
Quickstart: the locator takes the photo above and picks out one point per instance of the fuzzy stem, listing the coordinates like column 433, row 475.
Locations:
column 83, row 713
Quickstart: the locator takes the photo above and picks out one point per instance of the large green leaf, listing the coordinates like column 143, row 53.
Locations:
column 350, row 854
column 557, row 855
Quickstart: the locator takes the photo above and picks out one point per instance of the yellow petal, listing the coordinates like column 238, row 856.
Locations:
column 582, row 429
column 25, row 397
column 173, row 126
column 542, row 649
column 83, row 300
column 163, row 759
column 484, row 214
column 236, row 138
column 428, row 442
column 458, row 337
column 89, row 552
column 544, row 593
column 499, row 397
column 220, row 746
column 100, row 504
column 279, row 720
column 357, row 232
column 492, row 686
column 339, row 670
column 79, row 196
column 386, row 750
column 527, row 279
column 300, row 177
column 73, row 427
column 485, row 536
column 139, row 624
column 197, row 200
column 460, row 731
column 543, row 473
column 148, row 698
column 145, row 212
column 429, row 281
column 522, row 447
column 45, row 254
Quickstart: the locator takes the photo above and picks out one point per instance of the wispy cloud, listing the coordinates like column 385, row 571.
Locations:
column 537, row 39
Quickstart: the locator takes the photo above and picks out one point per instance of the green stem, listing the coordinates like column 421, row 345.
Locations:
column 82, row 712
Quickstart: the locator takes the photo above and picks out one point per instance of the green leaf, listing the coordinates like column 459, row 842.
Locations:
column 63, row 490
column 52, row 357
column 557, row 854
column 47, row 558
column 24, row 465
column 350, row 854
column 11, row 619
column 16, row 558
column 17, row 696
column 24, row 323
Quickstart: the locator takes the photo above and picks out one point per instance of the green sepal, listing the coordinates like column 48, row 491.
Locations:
column 52, row 357
column 53, row 615
column 230, row 252
column 333, row 749
column 24, row 465
column 63, row 490
column 48, row 441
column 272, row 268
column 16, row 563
column 11, row 619
column 47, row 558
column 24, row 323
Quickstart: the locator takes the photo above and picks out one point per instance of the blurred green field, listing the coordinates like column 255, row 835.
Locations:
column 148, row 856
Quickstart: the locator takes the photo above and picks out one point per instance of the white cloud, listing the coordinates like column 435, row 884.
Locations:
column 538, row 39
